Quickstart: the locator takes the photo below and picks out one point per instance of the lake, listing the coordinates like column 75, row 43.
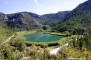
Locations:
column 43, row 37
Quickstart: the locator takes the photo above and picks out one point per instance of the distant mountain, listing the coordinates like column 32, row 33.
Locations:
column 55, row 17
column 23, row 20
column 28, row 20
column 79, row 20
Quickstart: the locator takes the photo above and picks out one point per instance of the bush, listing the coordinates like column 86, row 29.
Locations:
column 46, row 27
column 19, row 44
column 7, row 53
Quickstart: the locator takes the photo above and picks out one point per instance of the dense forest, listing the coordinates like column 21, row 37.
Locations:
column 78, row 21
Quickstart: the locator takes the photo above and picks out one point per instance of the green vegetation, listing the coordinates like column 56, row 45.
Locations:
column 19, row 44
column 84, row 41
column 79, row 47
column 4, row 32
column 19, row 48
column 46, row 27
column 75, row 27
column 78, row 21
column 77, row 24
column 6, row 52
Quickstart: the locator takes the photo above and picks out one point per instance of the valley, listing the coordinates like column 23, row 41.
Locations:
column 65, row 35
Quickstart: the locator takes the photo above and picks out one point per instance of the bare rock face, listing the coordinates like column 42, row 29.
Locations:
column 3, row 17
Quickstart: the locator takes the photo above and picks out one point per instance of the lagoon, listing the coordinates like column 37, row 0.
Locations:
column 42, row 37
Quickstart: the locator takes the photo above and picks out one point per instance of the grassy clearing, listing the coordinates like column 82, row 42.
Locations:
column 20, row 35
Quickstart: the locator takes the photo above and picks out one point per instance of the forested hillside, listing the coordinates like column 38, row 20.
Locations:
column 79, row 20
column 54, row 18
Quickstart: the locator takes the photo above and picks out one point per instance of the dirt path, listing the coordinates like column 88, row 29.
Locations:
column 8, row 39
column 54, row 51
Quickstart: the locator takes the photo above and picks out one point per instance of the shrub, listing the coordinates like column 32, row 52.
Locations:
column 7, row 53
column 19, row 44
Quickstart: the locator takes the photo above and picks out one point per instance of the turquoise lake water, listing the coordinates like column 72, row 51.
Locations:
column 42, row 37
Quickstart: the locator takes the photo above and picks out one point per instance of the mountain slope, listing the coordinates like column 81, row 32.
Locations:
column 28, row 20
column 23, row 20
column 79, row 20
column 53, row 18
